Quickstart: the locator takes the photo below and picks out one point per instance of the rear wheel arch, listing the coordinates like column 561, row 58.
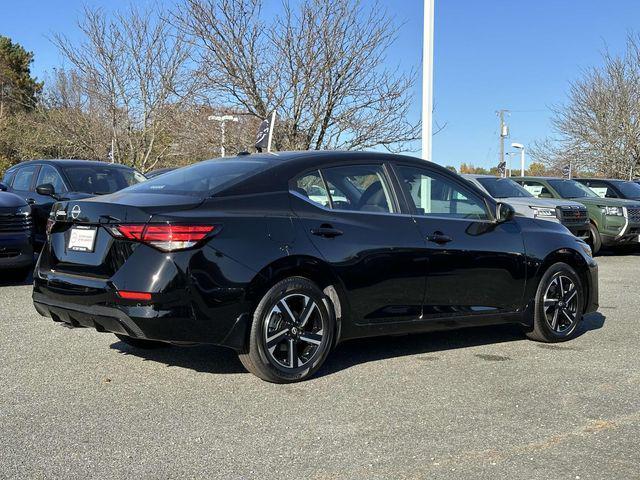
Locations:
column 307, row 267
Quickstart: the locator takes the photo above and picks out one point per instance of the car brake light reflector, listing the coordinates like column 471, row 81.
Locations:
column 128, row 295
column 166, row 237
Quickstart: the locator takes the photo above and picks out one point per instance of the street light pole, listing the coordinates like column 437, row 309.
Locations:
column 223, row 119
column 520, row 147
column 427, row 78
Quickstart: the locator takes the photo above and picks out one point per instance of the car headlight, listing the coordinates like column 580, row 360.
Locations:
column 543, row 212
column 613, row 211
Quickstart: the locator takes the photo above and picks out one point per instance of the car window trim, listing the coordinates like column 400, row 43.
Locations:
column 462, row 184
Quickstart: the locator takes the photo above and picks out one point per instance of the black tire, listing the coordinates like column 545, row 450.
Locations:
column 140, row 343
column 594, row 241
column 289, row 347
column 557, row 311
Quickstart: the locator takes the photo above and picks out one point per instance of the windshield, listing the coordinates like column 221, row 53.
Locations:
column 100, row 180
column 628, row 189
column 502, row 187
column 571, row 189
column 203, row 178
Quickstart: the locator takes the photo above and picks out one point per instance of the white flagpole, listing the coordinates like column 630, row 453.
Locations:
column 271, row 126
column 427, row 79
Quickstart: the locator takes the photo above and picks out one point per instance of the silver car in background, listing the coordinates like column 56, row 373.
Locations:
column 572, row 215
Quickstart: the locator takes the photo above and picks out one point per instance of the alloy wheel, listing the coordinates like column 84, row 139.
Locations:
column 561, row 303
column 294, row 332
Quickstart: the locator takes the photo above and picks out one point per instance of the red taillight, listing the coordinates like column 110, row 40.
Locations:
column 128, row 295
column 166, row 237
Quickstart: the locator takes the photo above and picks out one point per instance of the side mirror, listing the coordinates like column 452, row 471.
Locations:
column 3, row 187
column 46, row 189
column 504, row 212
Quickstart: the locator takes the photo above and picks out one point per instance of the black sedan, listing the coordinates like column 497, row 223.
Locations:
column 280, row 257
column 16, row 236
column 43, row 182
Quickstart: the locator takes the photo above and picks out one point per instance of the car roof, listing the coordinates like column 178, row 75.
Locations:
column 480, row 175
column 64, row 162
column 543, row 178
column 603, row 179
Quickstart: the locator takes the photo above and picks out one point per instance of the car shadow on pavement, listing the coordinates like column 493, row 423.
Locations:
column 218, row 360
column 380, row 348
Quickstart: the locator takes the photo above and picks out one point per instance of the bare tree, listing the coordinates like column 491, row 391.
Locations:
column 320, row 65
column 599, row 129
column 134, row 69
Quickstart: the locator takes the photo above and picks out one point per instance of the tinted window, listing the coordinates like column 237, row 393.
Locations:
column 24, row 178
column 204, row 178
column 628, row 189
column 312, row 187
column 502, row 187
column 99, row 180
column 361, row 188
column 601, row 189
column 435, row 195
column 8, row 177
column 48, row 174
column 571, row 189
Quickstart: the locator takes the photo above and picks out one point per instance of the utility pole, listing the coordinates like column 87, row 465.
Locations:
column 504, row 132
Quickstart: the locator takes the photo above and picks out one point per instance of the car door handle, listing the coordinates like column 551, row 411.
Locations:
column 326, row 231
column 439, row 238
column 31, row 201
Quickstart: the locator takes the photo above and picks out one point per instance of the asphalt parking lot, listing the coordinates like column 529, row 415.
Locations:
column 481, row 403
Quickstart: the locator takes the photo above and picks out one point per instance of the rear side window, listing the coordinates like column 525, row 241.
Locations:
column 435, row 195
column 204, row 178
column 312, row 187
column 100, row 180
column 50, row 175
column 24, row 178
column 360, row 188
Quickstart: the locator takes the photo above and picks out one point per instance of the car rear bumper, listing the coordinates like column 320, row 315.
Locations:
column 173, row 318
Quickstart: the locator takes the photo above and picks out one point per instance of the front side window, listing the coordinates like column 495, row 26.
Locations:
column 50, row 175
column 24, row 178
column 628, row 189
column 571, row 189
column 434, row 195
column 360, row 188
column 536, row 189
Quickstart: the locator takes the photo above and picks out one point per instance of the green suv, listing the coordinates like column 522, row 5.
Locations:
column 613, row 221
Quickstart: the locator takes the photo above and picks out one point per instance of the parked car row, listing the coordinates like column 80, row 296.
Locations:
column 613, row 220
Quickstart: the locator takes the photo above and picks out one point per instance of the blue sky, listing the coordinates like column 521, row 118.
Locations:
column 489, row 54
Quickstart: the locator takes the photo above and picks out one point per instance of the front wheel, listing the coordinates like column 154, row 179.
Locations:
column 595, row 240
column 291, row 334
column 559, row 305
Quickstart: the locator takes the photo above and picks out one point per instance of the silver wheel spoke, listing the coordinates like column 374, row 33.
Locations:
column 293, row 354
column 274, row 339
column 285, row 308
column 561, row 287
column 554, row 321
column 312, row 338
column 570, row 294
column 569, row 315
column 550, row 302
column 309, row 307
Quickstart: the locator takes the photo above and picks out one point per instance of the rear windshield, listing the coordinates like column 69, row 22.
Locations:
column 571, row 189
column 502, row 187
column 100, row 180
column 202, row 179
column 628, row 189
